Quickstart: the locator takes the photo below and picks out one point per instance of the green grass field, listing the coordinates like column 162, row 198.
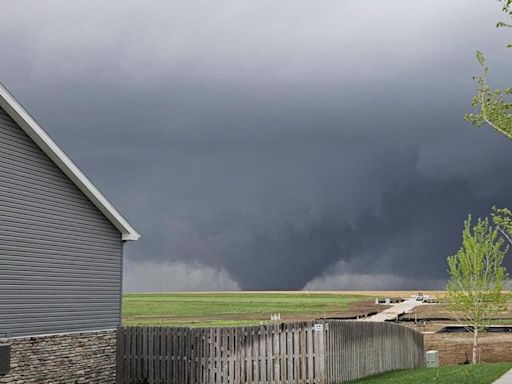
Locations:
column 229, row 309
column 454, row 374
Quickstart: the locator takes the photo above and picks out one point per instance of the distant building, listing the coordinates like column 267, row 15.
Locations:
column 61, row 249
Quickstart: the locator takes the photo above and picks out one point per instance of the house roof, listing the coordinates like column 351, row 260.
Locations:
column 9, row 104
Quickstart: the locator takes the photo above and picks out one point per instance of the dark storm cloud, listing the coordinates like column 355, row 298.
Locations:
column 270, row 144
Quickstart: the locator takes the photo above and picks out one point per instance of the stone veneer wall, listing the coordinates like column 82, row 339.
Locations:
column 88, row 357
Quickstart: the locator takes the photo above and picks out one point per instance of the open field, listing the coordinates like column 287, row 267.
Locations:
column 461, row 374
column 439, row 314
column 217, row 309
column 240, row 308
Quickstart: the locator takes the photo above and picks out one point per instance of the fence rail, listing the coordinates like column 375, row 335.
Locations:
column 295, row 353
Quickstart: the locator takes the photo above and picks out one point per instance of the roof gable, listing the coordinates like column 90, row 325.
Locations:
column 64, row 163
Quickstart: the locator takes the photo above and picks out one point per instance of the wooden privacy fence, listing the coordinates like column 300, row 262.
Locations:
column 357, row 349
column 294, row 353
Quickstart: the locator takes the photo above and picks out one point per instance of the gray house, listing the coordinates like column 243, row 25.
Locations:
column 61, row 248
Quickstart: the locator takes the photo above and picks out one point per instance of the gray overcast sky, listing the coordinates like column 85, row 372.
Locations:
column 271, row 145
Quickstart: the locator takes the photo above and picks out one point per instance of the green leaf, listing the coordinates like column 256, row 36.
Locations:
column 502, row 24
column 480, row 57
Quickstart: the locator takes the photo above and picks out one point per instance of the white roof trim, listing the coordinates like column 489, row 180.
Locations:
column 52, row 150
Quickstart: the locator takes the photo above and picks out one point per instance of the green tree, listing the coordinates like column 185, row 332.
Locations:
column 493, row 106
column 477, row 276
column 502, row 218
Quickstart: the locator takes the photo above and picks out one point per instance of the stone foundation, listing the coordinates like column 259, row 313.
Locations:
column 63, row 359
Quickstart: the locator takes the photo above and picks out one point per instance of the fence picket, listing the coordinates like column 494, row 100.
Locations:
column 295, row 353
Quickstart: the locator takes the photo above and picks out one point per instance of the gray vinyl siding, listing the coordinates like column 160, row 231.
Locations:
column 60, row 258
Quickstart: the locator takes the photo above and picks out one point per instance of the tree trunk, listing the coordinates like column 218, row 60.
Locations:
column 475, row 345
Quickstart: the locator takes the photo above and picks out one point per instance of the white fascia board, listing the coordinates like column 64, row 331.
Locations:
column 57, row 155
